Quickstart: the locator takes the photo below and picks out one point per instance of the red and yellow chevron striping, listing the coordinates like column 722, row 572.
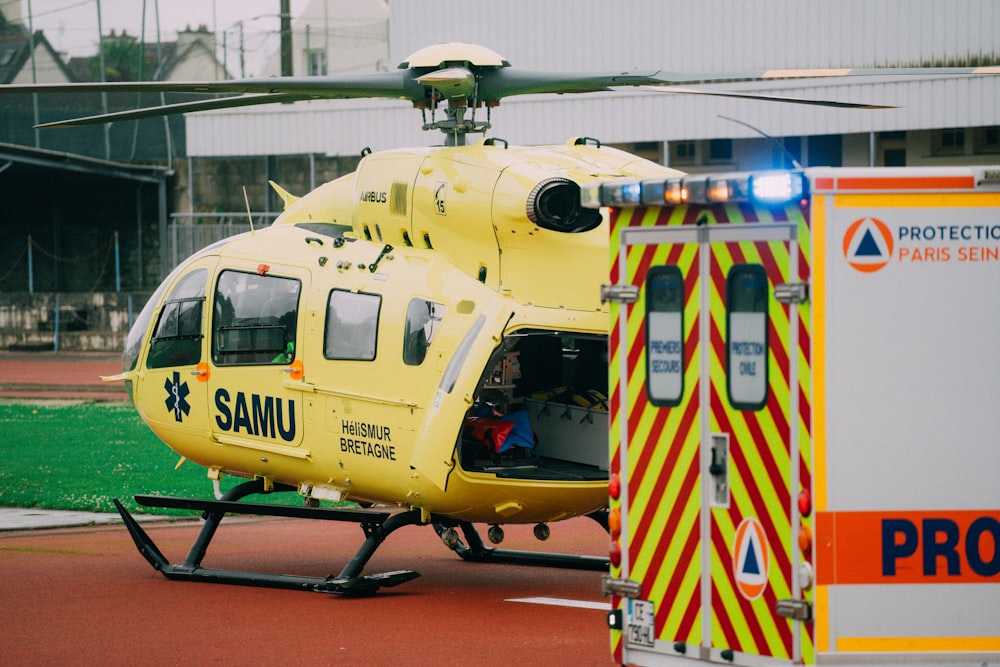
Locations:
column 665, row 549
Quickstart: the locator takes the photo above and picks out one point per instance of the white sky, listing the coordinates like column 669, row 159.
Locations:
column 71, row 25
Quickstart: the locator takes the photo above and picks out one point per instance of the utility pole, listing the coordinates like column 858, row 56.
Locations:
column 286, row 38
column 163, row 97
column 34, row 73
column 104, row 95
column 243, row 61
column 215, row 41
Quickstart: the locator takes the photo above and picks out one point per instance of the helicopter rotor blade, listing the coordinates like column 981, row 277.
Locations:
column 500, row 83
column 494, row 82
column 173, row 109
column 690, row 78
column 456, row 72
column 768, row 98
column 382, row 84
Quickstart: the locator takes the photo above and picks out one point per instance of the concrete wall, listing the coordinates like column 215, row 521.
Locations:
column 84, row 322
column 219, row 181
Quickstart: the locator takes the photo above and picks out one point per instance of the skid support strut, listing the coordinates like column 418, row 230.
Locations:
column 475, row 550
column 376, row 526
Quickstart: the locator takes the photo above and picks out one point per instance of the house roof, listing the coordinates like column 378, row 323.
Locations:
column 159, row 59
column 15, row 50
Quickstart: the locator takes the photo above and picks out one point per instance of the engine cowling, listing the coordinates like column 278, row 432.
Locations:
column 555, row 204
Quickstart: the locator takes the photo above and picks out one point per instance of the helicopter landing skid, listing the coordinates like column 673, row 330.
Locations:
column 475, row 550
column 376, row 526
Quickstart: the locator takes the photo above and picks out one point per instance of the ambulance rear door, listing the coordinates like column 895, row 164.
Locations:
column 708, row 434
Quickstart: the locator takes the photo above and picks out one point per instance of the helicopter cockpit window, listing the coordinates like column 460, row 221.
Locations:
column 351, row 325
column 178, row 335
column 422, row 321
column 255, row 318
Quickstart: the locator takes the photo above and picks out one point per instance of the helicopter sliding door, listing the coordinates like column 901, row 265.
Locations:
column 254, row 342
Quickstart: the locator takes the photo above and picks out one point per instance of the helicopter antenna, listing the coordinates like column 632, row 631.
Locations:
column 784, row 149
column 249, row 214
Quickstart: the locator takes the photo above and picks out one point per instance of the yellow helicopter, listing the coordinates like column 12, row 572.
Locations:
column 425, row 336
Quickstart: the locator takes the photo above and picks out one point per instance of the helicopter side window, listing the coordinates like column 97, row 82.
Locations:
column 178, row 335
column 254, row 319
column 422, row 321
column 351, row 325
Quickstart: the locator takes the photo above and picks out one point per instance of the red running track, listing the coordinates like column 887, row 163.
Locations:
column 86, row 596
column 63, row 375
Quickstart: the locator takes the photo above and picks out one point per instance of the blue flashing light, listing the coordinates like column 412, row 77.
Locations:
column 621, row 193
column 631, row 192
column 777, row 188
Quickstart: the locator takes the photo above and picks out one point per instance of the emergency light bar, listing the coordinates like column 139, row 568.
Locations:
column 777, row 188
column 770, row 188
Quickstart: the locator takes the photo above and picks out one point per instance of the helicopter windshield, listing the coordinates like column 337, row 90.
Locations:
column 137, row 334
column 177, row 338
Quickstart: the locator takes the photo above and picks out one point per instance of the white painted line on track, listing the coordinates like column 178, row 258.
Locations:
column 560, row 602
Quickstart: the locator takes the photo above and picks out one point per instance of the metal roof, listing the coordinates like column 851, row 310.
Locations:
column 709, row 35
column 39, row 161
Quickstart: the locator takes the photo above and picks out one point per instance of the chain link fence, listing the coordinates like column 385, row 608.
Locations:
column 190, row 232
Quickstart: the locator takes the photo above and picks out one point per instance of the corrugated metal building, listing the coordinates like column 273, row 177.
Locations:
column 940, row 120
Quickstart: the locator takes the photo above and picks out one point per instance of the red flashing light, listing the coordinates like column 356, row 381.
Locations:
column 615, row 554
column 615, row 486
column 262, row 269
column 805, row 503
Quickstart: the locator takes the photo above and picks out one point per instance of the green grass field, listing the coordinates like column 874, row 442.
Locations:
column 81, row 456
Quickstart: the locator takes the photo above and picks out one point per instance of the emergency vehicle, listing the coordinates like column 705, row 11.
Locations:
column 805, row 417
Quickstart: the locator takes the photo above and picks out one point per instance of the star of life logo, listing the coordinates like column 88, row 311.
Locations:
column 177, row 393
column 868, row 245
